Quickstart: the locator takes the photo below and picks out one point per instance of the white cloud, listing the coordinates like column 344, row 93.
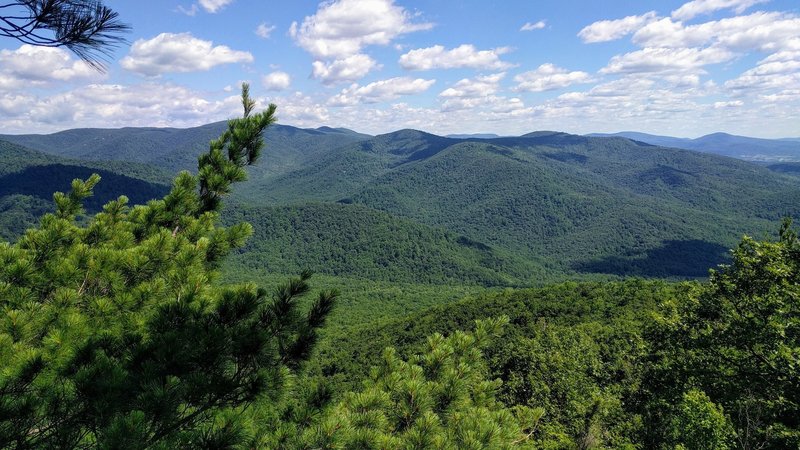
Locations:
column 530, row 26
column 698, row 7
column 609, row 30
column 477, row 87
column 665, row 60
column 213, row 6
column 496, row 106
column 32, row 65
column 729, row 104
column 478, row 94
column 782, row 98
column 342, row 28
column 548, row 77
column 350, row 68
column 302, row 110
column 761, row 31
column 276, row 81
column 465, row 55
column 774, row 75
column 191, row 11
column 170, row 52
column 380, row 91
column 109, row 105
column 264, row 31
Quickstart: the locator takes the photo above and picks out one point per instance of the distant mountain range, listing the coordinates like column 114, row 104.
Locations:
column 412, row 206
column 741, row 147
column 474, row 135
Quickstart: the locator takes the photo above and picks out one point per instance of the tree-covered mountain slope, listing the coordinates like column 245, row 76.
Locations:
column 565, row 204
column 176, row 149
column 584, row 204
column 29, row 178
column 741, row 147
column 358, row 242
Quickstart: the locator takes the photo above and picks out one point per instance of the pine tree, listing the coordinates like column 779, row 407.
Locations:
column 117, row 333
column 439, row 399
column 87, row 27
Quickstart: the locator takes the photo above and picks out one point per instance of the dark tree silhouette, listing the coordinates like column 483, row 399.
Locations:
column 87, row 27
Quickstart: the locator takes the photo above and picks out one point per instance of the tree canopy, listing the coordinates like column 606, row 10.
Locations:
column 115, row 332
column 87, row 27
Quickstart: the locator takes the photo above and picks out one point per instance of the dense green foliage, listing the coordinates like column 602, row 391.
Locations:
column 363, row 300
column 738, row 341
column 716, row 369
column 28, row 179
column 440, row 398
column 116, row 335
column 557, row 205
column 575, row 350
column 355, row 241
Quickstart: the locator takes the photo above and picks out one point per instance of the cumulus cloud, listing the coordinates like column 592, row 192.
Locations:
column 760, row 31
column 302, row 110
column 775, row 74
column 111, row 105
column 380, row 91
column 213, row 6
column 609, row 30
column 531, row 26
column 465, row 55
column 264, row 31
column 698, row 7
column 31, row 65
column 350, row 68
column 276, row 81
column 665, row 60
column 548, row 77
column 182, row 52
column 474, row 87
column 729, row 104
column 342, row 28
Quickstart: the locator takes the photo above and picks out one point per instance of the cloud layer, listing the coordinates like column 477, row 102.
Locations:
column 169, row 52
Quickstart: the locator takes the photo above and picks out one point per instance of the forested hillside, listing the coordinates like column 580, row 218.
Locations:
column 741, row 147
column 29, row 178
column 118, row 333
column 356, row 241
column 555, row 204
column 501, row 280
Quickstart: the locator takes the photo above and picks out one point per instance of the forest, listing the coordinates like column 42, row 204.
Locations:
column 136, row 323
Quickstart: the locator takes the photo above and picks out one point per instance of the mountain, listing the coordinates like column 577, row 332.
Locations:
column 358, row 242
column 788, row 168
column 474, row 135
column 175, row 149
column 544, row 205
column 741, row 147
column 29, row 178
column 574, row 204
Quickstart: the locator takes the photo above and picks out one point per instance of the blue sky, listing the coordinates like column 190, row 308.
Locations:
column 680, row 68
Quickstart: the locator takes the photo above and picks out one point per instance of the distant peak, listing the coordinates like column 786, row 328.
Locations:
column 409, row 133
column 544, row 133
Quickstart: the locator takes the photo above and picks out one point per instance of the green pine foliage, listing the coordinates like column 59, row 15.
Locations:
column 440, row 398
column 573, row 351
column 116, row 333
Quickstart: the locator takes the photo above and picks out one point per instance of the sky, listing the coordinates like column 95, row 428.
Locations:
column 678, row 68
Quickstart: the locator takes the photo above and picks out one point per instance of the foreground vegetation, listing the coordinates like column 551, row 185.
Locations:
column 116, row 332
